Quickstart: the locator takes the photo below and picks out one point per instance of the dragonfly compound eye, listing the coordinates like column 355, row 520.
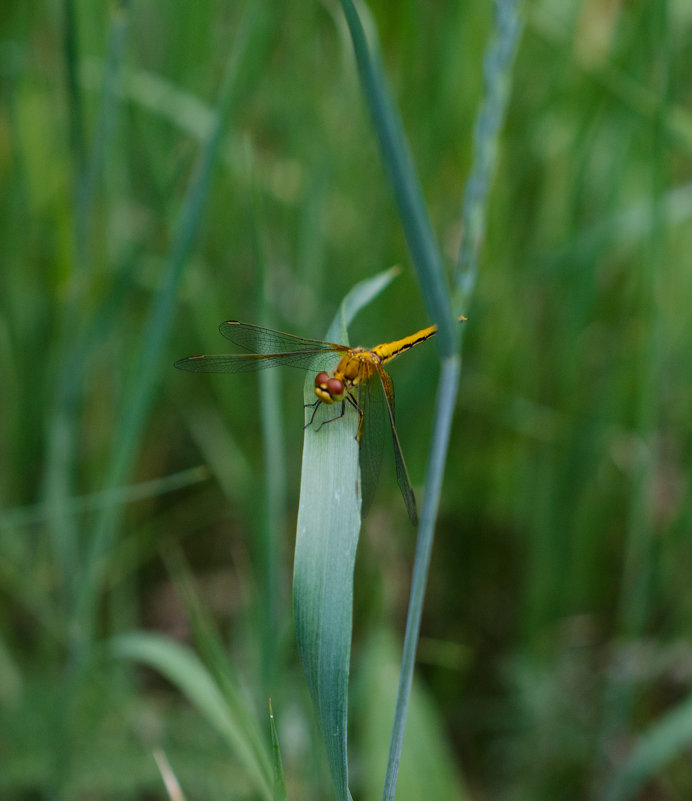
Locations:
column 336, row 389
column 322, row 387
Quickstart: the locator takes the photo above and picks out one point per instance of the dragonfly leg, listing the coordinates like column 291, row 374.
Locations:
column 332, row 419
column 315, row 406
column 348, row 397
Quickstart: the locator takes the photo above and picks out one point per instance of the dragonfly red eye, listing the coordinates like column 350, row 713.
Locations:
column 335, row 388
column 321, row 379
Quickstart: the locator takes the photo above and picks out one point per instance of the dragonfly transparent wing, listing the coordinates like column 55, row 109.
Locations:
column 387, row 392
column 266, row 348
column 256, row 339
column 371, row 400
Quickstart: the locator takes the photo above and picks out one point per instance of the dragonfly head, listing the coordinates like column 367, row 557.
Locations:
column 328, row 389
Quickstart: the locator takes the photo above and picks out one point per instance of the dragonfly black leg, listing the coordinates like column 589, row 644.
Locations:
column 315, row 406
column 332, row 419
column 355, row 405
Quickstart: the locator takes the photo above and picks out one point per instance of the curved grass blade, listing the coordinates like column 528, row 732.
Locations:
column 329, row 519
column 184, row 669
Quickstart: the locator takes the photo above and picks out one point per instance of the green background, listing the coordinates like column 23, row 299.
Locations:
column 556, row 629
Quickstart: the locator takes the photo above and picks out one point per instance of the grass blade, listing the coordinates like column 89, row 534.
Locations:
column 497, row 73
column 444, row 413
column 279, row 781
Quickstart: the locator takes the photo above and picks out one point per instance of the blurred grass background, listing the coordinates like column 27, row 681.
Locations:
column 558, row 614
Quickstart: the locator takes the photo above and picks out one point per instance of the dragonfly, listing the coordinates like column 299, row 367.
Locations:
column 358, row 379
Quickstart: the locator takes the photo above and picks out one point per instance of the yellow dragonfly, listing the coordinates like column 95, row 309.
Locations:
column 358, row 379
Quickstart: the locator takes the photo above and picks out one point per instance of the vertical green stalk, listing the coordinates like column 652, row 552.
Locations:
column 448, row 388
column 426, row 258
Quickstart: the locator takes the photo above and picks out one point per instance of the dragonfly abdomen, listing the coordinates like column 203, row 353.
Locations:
column 390, row 350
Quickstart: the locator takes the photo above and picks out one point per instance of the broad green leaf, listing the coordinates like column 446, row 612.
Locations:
column 327, row 536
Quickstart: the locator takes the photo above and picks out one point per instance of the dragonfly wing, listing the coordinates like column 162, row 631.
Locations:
column 256, row 339
column 315, row 359
column 371, row 400
column 402, row 478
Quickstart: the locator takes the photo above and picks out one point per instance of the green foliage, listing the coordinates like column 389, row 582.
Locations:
column 151, row 157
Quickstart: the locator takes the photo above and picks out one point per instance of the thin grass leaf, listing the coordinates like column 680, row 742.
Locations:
column 184, row 669
column 497, row 74
column 327, row 537
column 401, row 172
column 279, row 781
column 428, row 768
column 444, row 412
